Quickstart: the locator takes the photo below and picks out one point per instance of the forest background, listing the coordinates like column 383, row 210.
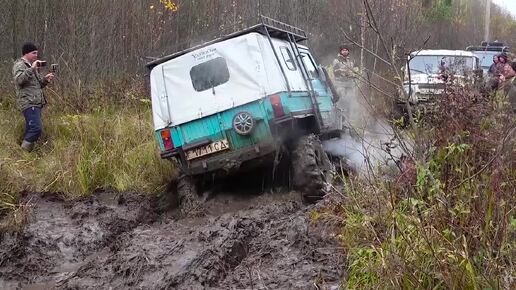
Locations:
column 99, row 41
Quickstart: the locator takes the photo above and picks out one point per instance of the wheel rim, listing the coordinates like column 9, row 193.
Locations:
column 243, row 123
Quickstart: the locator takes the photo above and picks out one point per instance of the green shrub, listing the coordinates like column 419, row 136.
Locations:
column 448, row 221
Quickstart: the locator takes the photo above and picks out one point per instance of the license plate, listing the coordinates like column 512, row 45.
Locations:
column 214, row 147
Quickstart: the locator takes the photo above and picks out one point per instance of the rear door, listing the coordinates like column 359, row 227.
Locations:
column 286, row 58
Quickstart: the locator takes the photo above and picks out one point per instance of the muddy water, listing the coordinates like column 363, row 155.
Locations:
column 111, row 241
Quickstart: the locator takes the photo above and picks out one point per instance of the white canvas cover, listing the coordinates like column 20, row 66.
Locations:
column 253, row 74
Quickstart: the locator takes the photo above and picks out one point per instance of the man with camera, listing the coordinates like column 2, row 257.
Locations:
column 29, row 84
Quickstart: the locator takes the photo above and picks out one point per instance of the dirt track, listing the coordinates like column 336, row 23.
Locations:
column 110, row 241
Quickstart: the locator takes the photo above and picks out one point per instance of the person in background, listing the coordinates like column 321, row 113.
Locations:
column 503, row 58
column 495, row 74
column 29, row 84
column 492, row 69
column 343, row 66
column 344, row 78
column 508, row 83
column 444, row 70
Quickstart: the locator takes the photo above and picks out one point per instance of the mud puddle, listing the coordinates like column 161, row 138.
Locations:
column 118, row 241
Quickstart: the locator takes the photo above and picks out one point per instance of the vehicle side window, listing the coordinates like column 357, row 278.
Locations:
column 310, row 66
column 287, row 58
column 210, row 74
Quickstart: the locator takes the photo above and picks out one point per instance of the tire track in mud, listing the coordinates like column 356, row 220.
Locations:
column 60, row 234
column 119, row 242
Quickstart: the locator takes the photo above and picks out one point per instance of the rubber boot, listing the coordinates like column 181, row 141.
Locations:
column 27, row 146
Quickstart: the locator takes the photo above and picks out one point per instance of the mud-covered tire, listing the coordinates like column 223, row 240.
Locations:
column 311, row 168
column 187, row 191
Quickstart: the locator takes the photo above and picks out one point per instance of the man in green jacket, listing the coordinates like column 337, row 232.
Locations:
column 343, row 66
column 29, row 84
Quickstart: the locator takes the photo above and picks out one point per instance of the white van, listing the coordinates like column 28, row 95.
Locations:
column 428, row 72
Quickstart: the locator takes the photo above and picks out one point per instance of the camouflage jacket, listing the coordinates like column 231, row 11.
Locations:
column 343, row 67
column 28, row 85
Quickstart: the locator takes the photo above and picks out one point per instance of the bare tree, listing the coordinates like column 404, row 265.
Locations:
column 99, row 40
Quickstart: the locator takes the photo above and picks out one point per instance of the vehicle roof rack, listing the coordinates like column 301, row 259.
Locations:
column 488, row 48
column 275, row 28
column 492, row 43
column 278, row 29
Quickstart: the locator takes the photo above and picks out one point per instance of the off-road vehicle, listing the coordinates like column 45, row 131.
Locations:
column 428, row 72
column 486, row 51
column 238, row 101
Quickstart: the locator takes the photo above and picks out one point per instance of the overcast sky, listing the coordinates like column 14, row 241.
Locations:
column 508, row 4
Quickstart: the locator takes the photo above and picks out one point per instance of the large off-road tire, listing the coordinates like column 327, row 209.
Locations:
column 311, row 168
column 190, row 203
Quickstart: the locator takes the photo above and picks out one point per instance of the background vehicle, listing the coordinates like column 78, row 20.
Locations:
column 237, row 101
column 428, row 72
column 486, row 51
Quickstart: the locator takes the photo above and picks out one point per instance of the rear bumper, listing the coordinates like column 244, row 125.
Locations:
column 228, row 162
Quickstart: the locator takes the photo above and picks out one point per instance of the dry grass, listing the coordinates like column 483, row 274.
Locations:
column 106, row 147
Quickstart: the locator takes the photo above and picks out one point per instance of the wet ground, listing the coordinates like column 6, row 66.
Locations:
column 120, row 241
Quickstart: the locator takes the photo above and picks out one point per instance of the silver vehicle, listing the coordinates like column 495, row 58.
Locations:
column 486, row 51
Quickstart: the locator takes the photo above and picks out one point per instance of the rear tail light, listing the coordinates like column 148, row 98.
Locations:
column 277, row 107
column 166, row 137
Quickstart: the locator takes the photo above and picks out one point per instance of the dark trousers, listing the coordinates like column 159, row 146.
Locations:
column 33, row 126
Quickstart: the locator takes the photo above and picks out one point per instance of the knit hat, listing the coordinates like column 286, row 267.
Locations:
column 343, row 47
column 28, row 47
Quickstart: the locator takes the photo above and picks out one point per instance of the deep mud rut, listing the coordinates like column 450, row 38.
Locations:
column 119, row 241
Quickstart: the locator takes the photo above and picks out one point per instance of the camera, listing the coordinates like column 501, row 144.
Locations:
column 42, row 63
column 54, row 68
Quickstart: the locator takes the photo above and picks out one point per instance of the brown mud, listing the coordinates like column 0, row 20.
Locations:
column 120, row 241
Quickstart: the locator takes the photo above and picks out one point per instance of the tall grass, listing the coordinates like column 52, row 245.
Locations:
column 104, row 147
column 449, row 220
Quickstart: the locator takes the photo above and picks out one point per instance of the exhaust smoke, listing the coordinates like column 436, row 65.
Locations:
column 368, row 145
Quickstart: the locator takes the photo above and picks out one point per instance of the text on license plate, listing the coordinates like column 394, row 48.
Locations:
column 214, row 147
